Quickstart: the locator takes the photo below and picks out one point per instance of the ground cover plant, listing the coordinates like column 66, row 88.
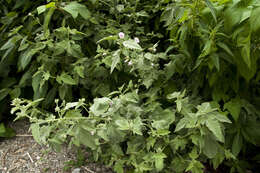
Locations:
column 145, row 86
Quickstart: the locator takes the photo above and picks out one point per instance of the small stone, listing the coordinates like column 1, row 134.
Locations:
column 76, row 170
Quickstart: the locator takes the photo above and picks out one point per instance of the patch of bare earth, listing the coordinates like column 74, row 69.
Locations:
column 21, row 154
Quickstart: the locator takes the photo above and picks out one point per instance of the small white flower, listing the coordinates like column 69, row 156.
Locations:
column 121, row 35
column 92, row 133
column 130, row 63
column 104, row 54
column 137, row 40
column 152, row 64
column 29, row 14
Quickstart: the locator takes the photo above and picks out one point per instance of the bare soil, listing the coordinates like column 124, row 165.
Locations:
column 21, row 154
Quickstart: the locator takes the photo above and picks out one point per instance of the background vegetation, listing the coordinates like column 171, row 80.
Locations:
column 145, row 86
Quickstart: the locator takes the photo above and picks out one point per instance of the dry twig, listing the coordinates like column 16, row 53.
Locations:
column 90, row 171
column 3, row 158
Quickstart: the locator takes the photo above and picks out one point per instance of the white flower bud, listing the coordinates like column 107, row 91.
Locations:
column 130, row 63
column 121, row 35
column 137, row 40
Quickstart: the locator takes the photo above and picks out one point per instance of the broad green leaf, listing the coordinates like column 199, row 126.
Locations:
column 212, row 9
column 74, row 8
column 26, row 57
column 67, row 79
column 218, row 159
column 210, row 148
column 123, row 124
column 215, row 59
column 163, row 119
column 47, row 20
column 62, row 91
column 87, row 139
column 254, row 19
column 159, row 161
column 131, row 44
column 80, row 71
column 245, row 53
column 215, row 128
column 221, row 117
column 194, row 154
column 49, row 99
column 119, row 166
column 35, row 128
column 207, row 49
column 195, row 167
column 3, row 93
column 2, row 128
column 41, row 9
column 181, row 124
column 15, row 93
column 100, row 106
column 73, row 114
column 168, row 16
column 237, row 144
column 226, row 48
column 115, row 60
column 6, row 132
column 173, row 95
column 234, row 107
column 137, row 126
column 246, row 14
column 11, row 42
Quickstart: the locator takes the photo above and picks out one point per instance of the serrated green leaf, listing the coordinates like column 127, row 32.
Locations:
column 87, row 139
column 137, row 126
column 234, row 107
column 159, row 161
column 131, row 44
column 181, row 124
column 163, row 119
column 123, row 124
column 100, row 106
column 35, row 128
column 115, row 60
column 74, row 8
column 67, row 79
column 215, row 128
column 80, row 71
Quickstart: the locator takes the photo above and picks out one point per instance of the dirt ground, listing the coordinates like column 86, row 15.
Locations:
column 21, row 154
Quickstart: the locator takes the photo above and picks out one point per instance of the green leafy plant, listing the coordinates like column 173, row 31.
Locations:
column 166, row 86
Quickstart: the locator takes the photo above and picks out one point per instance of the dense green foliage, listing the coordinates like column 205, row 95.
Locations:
column 145, row 86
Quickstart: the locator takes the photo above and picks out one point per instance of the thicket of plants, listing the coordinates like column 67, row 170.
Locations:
column 144, row 86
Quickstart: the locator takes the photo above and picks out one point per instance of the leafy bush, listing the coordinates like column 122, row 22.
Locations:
column 166, row 86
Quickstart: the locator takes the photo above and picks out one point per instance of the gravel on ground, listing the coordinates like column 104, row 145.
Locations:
column 21, row 154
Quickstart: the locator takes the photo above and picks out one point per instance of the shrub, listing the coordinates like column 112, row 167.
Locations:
column 166, row 86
